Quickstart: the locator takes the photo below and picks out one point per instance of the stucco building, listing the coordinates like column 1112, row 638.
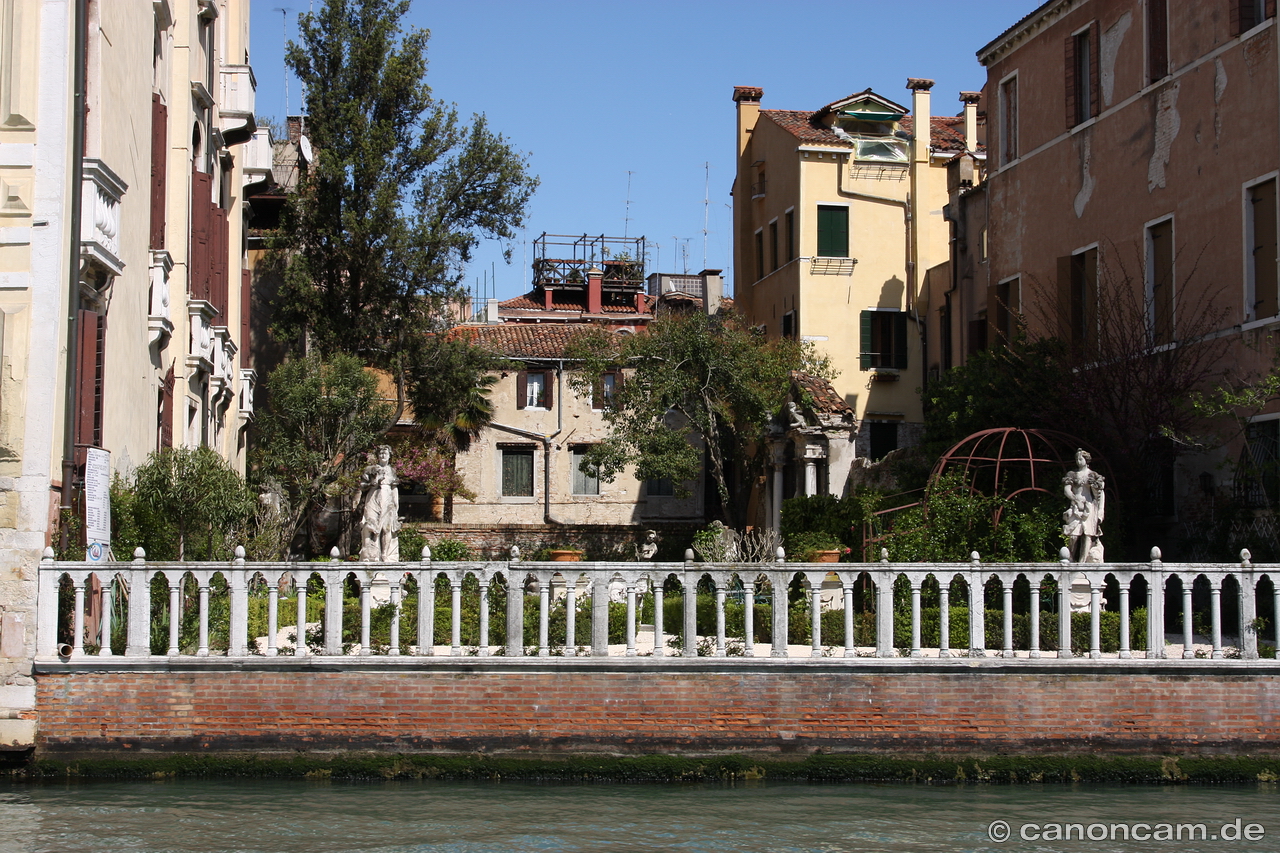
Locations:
column 127, row 145
column 837, row 213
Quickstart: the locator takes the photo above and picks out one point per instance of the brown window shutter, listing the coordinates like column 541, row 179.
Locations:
column 1271, row 8
column 86, row 375
column 1069, row 74
column 522, row 388
column 159, row 150
column 1235, row 17
column 548, row 387
column 199, row 269
column 1095, row 87
column 1157, row 40
column 246, row 295
column 166, row 410
column 1064, row 297
column 218, row 248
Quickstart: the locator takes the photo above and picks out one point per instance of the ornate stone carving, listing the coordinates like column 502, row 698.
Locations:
column 380, row 519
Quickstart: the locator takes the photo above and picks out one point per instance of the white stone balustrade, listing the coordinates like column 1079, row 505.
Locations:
column 547, row 586
column 100, row 193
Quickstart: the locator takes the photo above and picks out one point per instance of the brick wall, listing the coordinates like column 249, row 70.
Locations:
column 524, row 707
column 601, row 541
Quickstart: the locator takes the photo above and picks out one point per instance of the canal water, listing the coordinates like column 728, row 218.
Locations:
column 315, row 817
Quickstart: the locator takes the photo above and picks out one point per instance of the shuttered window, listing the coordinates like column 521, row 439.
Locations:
column 883, row 339
column 1157, row 40
column 517, row 472
column 584, row 482
column 533, row 389
column 1160, row 285
column 1261, row 237
column 89, row 378
column 1081, row 64
column 1008, row 121
column 833, row 232
column 159, row 151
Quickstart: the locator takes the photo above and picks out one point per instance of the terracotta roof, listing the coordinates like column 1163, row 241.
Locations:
column 948, row 131
column 825, row 399
column 564, row 301
column 522, row 340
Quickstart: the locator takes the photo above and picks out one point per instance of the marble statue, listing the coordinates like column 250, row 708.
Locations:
column 795, row 420
column 649, row 547
column 380, row 520
column 1082, row 522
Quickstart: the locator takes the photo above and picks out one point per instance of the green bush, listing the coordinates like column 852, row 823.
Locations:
column 450, row 550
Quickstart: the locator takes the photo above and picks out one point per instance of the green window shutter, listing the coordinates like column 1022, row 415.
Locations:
column 865, row 339
column 833, row 232
column 900, row 340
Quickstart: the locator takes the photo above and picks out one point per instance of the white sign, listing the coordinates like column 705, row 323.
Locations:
column 97, row 496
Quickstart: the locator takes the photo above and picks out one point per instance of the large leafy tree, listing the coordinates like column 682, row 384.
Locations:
column 194, row 490
column 399, row 193
column 691, row 375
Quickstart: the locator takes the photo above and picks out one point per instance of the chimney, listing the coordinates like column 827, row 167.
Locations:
column 294, row 126
column 712, row 290
column 491, row 312
column 748, row 100
column 970, row 101
column 923, row 136
column 595, row 277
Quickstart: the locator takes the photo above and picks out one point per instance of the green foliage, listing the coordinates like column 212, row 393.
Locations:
column 691, row 375
column 321, row 417
column 195, row 491
column 398, row 195
column 411, row 542
column 450, row 550
column 449, row 385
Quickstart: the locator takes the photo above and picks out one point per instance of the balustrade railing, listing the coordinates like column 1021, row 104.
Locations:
column 733, row 610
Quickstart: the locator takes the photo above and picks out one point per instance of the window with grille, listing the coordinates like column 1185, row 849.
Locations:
column 517, row 472
column 585, row 482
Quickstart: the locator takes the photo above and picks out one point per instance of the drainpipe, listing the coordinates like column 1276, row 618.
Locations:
column 546, row 443
column 921, row 146
column 73, row 274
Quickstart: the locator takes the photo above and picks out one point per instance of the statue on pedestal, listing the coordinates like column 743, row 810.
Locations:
column 1082, row 522
column 380, row 519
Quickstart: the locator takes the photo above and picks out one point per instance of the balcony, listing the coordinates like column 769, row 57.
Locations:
column 235, row 104
column 100, row 193
column 257, row 157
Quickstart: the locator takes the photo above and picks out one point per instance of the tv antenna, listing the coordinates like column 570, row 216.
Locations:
column 284, row 40
column 626, row 220
column 706, row 209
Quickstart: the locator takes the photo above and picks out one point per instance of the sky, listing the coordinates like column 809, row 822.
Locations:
column 625, row 110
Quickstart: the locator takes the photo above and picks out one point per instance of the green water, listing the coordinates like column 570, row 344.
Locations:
column 457, row 817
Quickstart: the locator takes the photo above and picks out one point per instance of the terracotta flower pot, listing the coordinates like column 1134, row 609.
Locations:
column 825, row 556
column 566, row 556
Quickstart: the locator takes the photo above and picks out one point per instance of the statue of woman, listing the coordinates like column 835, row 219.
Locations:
column 380, row 521
column 1082, row 522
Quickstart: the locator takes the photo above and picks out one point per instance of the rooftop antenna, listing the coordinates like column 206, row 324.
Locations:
column 284, row 40
column 626, row 221
column 706, row 209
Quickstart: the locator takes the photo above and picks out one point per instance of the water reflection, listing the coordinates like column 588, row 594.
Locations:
column 461, row 817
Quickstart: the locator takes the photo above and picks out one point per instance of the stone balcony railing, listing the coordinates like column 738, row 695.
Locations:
column 236, row 97
column 246, row 587
column 101, row 192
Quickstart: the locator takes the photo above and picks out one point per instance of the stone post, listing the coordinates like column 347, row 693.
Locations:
column 599, row 614
column 139, row 631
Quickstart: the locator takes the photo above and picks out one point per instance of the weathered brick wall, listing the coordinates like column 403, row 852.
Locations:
column 515, row 708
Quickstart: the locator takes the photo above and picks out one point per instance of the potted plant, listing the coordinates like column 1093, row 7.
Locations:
column 815, row 546
column 565, row 554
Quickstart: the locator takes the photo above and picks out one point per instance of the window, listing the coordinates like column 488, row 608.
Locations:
column 884, row 339
column 1160, row 286
column 533, row 389
column 773, row 243
column 833, row 231
column 791, row 235
column 759, row 255
column 1009, row 121
column 1078, row 280
column 1003, row 311
column 517, row 472
column 584, row 482
column 1258, row 485
column 1157, row 40
column 1082, row 75
column 603, row 391
column 660, row 488
column 884, row 438
column 1260, row 245
column 1247, row 14
column 90, row 377
column 790, row 328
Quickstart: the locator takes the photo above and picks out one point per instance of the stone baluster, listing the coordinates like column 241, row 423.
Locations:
column 544, row 617
column 748, row 616
column 916, row 651
column 46, row 616
column 977, row 608
column 333, row 583
column 426, row 603
column 1095, row 620
column 1006, row 584
column 455, row 615
column 202, row 649
column 77, row 640
column 1064, row 605
column 1188, row 637
column 300, row 640
column 1248, row 626
column 104, row 633
column 781, row 627
column 944, row 617
column 884, row 607
column 1034, row 651
column 815, row 615
column 515, row 613
column 1125, row 652
column 139, row 624
column 366, row 613
column 1215, row 613
column 1155, row 607
column 397, row 582
column 631, row 619
column 273, row 617
column 484, row 617
column 850, row 641
column 690, row 649
column 238, row 606
column 570, row 616
column 659, row 644
column 599, row 614
column 720, row 635
column 174, row 579
column 1276, row 598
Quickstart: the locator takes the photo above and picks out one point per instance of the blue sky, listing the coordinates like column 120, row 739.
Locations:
column 592, row 91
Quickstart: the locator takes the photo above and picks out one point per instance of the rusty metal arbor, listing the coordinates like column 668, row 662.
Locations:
column 1008, row 461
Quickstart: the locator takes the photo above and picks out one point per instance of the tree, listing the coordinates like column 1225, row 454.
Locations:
column 399, row 192
column 713, row 377
column 322, row 416
column 195, row 490
column 449, row 385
